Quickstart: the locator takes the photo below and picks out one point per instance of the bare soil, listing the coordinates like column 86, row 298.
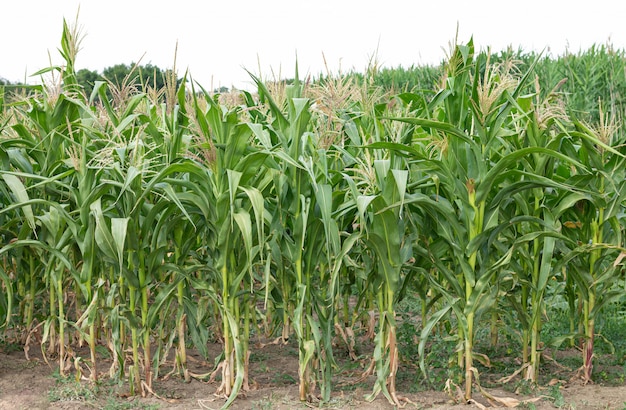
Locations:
column 34, row 384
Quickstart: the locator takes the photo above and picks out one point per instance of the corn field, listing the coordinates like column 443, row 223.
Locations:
column 151, row 223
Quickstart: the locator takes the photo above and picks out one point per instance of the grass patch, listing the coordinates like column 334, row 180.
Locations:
column 99, row 395
column 115, row 404
column 68, row 389
column 284, row 379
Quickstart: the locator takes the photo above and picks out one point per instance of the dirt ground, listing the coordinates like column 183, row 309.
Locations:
column 33, row 384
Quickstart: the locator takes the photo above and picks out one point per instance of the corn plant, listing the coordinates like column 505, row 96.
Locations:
column 226, row 191
column 296, row 229
column 595, row 223
column 152, row 222
column 476, row 129
column 538, row 240
column 384, row 235
column 36, row 173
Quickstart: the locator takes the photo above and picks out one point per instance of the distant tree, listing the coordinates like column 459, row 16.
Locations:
column 118, row 73
column 87, row 78
column 9, row 90
column 153, row 76
column 140, row 76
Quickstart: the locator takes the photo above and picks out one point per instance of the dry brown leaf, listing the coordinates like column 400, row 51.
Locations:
column 482, row 359
column 506, row 401
column 454, row 391
column 477, row 404
column 501, row 401
column 509, row 378
column 619, row 258
column 554, row 382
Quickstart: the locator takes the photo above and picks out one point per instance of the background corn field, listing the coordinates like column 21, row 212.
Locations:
column 490, row 189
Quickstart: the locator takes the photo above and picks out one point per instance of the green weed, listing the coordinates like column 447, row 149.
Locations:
column 68, row 389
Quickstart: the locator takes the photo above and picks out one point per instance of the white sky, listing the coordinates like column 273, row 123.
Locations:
column 216, row 39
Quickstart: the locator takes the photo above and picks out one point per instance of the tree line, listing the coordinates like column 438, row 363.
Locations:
column 140, row 77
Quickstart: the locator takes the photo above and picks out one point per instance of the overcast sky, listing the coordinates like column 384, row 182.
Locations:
column 217, row 39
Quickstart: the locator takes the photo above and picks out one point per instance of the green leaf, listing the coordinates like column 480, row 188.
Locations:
column 486, row 184
column 19, row 191
column 363, row 202
column 427, row 330
column 103, row 236
column 119, row 228
column 441, row 126
column 8, row 288
column 242, row 218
